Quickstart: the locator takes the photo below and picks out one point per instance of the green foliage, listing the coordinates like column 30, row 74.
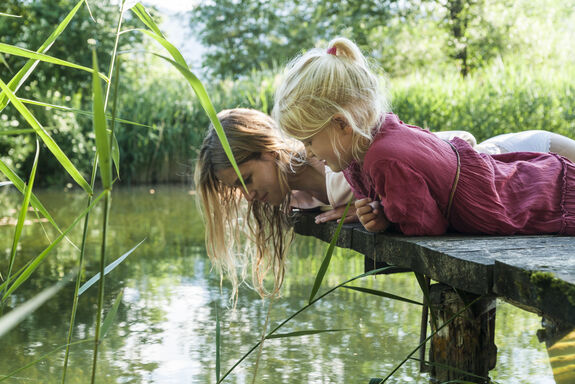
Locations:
column 491, row 102
column 524, row 81
column 243, row 35
column 38, row 21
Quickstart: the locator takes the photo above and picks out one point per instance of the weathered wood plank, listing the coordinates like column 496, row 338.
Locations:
column 536, row 273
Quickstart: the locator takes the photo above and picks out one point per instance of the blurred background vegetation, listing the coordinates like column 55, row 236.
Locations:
column 486, row 66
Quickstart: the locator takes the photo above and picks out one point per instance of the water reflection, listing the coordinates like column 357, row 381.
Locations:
column 165, row 330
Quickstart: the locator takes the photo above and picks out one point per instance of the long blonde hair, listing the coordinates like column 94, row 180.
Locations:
column 238, row 233
column 325, row 82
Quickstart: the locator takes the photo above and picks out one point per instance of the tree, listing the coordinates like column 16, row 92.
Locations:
column 474, row 38
column 242, row 35
column 38, row 20
column 53, row 83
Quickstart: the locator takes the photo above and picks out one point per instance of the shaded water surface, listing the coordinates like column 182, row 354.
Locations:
column 165, row 329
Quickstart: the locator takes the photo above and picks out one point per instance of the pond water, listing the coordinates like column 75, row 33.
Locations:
column 165, row 328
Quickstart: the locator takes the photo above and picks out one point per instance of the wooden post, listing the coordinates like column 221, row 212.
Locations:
column 465, row 349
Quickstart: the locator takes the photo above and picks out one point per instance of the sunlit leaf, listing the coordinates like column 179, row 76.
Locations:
column 196, row 84
column 108, row 269
column 284, row 322
column 145, row 17
column 174, row 52
column 8, row 15
column 21, row 52
column 101, row 128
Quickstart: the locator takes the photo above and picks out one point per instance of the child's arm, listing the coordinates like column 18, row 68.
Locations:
column 371, row 215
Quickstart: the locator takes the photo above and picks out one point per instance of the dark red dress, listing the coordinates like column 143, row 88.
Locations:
column 412, row 171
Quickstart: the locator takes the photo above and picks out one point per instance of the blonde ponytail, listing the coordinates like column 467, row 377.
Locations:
column 324, row 82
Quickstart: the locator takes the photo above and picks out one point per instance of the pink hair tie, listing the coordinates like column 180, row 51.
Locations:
column 332, row 51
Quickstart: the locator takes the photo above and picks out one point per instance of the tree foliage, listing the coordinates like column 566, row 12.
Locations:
column 37, row 21
column 56, row 84
column 245, row 34
column 402, row 36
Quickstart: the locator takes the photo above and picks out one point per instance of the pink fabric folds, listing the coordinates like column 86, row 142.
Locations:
column 411, row 172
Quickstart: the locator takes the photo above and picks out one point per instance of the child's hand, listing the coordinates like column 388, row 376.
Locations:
column 371, row 215
column 335, row 214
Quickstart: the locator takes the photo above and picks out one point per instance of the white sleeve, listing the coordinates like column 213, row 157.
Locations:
column 338, row 190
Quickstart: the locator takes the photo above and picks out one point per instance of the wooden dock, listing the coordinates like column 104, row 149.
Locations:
column 535, row 273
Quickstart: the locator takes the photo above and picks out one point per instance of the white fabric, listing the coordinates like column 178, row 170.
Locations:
column 526, row 141
column 338, row 193
column 464, row 135
column 338, row 190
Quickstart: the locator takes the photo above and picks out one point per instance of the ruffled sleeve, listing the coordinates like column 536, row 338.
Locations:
column 407, row 199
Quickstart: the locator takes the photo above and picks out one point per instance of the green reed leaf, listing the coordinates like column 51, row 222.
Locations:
column 8, row 15
column 303, row 333
column 180, row 63
column 382, row 294
column 101, row 128
column 47, row 139
column 21, row 52
column 218, row 345
column 327, row 258
column 36, row 262
column 293, row 315
column 145, row 17
column 23, row 211
column 206, row 103
column 75, row 111
column 14, row 317
column 27, row 69
column 108, row 269
column 174, row 52
column 111, row 316
column 20, row 185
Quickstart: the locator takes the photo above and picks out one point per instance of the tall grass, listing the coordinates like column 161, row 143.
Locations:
column 506, row 97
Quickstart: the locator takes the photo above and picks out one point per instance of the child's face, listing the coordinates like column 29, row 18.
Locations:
column 323, row 145
column 261, row 178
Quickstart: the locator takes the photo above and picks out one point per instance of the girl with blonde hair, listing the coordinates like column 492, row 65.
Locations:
column 404, row 176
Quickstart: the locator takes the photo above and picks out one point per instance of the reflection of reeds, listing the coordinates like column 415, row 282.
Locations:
column 562, row 359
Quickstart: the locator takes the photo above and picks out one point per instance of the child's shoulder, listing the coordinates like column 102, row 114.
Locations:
column 395, row 140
